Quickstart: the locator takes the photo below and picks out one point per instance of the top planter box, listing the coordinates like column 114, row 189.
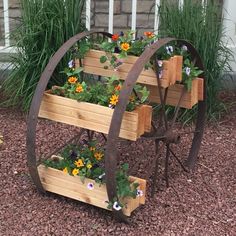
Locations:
column 95, row 117
column 172, row 69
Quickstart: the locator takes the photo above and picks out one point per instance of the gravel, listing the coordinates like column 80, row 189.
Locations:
column 198, row 203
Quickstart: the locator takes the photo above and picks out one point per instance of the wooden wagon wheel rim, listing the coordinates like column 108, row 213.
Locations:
column 110, row 153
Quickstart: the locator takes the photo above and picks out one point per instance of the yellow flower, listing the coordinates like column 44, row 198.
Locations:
column 79, row 88
column 89, row 166
column 79, row 163
column 75, row 172
column 125, row 46
column 65, row 170
column 114, row 99
column 92, row 149
column 98, row 155
column 72, row 80
column 131, row 98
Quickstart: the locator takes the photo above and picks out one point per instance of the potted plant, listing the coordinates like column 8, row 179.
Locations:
column 78, row 173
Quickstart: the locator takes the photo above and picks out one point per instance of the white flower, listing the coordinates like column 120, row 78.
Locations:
column 169, row 50
column 111, row 106
column 71, row 64
column 116, row 206
column 90, row 186
column 139, row 193
column 187, row 71
column 184, row 48
column 160, row 63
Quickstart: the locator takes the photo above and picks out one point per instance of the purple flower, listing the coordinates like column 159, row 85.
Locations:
column 139, row 193
column 121, row 33
column 90, row 186
column 116, row 206
column 169, row 50
column 187, row 71
column 71, row 64
column 160, row 63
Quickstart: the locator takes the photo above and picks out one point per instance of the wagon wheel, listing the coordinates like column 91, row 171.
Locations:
column 112, row 139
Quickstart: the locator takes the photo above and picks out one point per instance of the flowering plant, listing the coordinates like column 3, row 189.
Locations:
column 87, row 162
column 189, row 71
column 105, row 92
column 124, row 44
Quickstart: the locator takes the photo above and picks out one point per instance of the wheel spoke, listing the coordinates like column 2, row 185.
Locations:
column 178, row 160
column 156, row 167
column 167, row 164
column 177, row 109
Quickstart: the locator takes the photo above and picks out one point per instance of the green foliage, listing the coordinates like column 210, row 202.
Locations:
column 125, row 45
column 105, row 92
column 203, row 28
column 86, row 162
column 44, row 27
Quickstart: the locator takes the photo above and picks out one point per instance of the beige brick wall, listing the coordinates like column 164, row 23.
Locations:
column 122, row 15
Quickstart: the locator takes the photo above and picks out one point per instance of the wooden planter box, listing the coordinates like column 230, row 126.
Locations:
column 95, row 117
column 174, row 92
column 172, row 69
column 56, row 181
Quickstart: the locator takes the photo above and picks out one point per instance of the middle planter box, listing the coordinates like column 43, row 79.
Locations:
column 95, row 117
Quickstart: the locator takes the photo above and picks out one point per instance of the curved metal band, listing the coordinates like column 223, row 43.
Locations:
column 37, row 98
column 110, row 154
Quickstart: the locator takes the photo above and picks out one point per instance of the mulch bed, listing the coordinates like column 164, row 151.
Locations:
column 200, row 203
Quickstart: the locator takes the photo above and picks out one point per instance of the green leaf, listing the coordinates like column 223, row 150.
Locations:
column 103, row 59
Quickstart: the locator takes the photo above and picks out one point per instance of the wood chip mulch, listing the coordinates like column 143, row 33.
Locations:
column 200, row 203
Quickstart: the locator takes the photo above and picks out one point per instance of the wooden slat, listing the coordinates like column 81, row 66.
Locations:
column 90, row 116
column 92, row 65
column 148, row 118
column 174, row 92
column 71, row 186
column 179, row 68
column 200, row 89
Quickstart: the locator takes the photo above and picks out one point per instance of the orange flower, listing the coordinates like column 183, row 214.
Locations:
column 114, row 99
column 92, row 149
column 79, row 163
column 98, row 155
column 72, row 80
column 131, row 98
column 79, row 88
column 125, row 46
column 149, row 34
column 117, row 88
column 115, row 37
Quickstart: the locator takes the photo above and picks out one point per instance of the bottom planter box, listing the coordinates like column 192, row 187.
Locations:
column 174, row 92
column 95, row 117
column 56, row 181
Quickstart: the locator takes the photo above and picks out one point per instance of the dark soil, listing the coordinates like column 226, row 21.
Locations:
column 200, row 203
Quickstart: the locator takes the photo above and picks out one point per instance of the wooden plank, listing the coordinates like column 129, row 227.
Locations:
column 86, row 124
column 90, row 116
column 179, row 68
column 174, row 92
column 92, row 65
column 103, row 119
column 71, row 186
column 148, row 118
column 200, row 89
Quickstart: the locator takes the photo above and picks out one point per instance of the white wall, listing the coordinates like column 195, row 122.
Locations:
column 229, row 14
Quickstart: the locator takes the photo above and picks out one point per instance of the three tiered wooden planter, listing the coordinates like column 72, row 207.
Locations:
column 116, row 123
